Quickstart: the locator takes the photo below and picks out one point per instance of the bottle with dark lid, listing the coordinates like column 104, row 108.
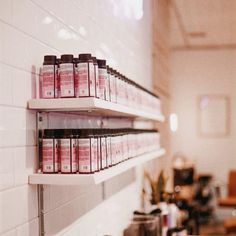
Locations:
column 49, row 79
column 103, row 149
column 103, row 84
column 84, row 152
column 68, row 151
column 96, row 76
column 97, row 137
column 87, row 87
column 109, row 80
column 76, row 61
column 49, row 152
column 113, row 85
column 67, row 76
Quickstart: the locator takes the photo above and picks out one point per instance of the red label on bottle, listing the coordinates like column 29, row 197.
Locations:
column 65, row 155
column 103, row 153
column 84, row 151
column 92, row 80
column 74, row 159
column 67, row 79
column 48, row 81
column 76, row 82
column 108, row 150
column 113, row 88
column 94, row 154
column 48, row 155
column 99, row 153
column 102, row 74
column 97, row 81
column 86, row 79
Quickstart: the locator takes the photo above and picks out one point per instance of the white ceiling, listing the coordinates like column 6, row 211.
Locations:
column 212, row 23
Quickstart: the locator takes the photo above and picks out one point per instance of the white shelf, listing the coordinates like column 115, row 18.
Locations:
column 96, row 178
column 92, row 105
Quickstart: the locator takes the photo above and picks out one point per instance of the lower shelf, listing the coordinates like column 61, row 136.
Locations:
column 96, row 178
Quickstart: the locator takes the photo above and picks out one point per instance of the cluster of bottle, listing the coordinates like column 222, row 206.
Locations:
column 91, row 150
column 87, row 76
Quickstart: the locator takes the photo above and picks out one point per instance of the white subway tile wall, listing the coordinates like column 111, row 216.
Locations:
column 119, row 31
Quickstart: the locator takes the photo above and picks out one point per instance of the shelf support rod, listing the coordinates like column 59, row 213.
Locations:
column 41, row 209
column 40, row 187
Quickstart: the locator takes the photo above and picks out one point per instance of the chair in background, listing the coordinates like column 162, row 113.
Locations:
column 230, row 201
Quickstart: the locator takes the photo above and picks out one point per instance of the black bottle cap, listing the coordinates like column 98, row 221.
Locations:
column 50, row 60
column 67, row 58
column 49, row 133
column 101, row 63
column 85, row 56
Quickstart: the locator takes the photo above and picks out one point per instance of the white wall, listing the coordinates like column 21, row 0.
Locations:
column 195, row 73
column 30, row 29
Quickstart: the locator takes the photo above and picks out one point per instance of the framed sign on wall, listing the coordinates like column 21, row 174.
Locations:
column 213, row 116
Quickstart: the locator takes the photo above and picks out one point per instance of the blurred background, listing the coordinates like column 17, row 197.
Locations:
column 181, row 50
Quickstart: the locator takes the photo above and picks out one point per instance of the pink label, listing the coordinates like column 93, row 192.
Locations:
column 97, row 81
column 56, row 155
column 86, row 79
column 76, row 82
column 74, row 160
column 84, row 155
column 48, row 154
column 67, row 79
column 92, row 80
column 65, row 155
column 99, row 153
column 48, row 81
column 113, row 88
column 103, row 153
column 113, row 151
column 94, row 154
column 108, row 150
column 102, row 73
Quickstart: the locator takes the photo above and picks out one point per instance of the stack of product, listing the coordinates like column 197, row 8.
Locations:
column 90, row 150
column 87, row 76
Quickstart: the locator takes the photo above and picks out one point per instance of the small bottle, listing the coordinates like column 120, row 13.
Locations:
column 67, row 76
column 76, row 60
column 49, row 77
column 49, row 152
column 97, row 150
column 113, row 97
column 84, row 152
column 103, row 150
column 96, row 77
column 68, row 151
column 102, row 74
column 108, row 84
column 86, row 76
column 108, row 136
column 57, row 82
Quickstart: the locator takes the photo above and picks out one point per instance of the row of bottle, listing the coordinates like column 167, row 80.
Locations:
column 87, row 76
column 90, row 150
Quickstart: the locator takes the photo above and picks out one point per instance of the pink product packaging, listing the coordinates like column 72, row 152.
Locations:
column 49, row 79
column 50, row 151
column 84, row 155
column 86, row 76
column 113, row 80
column 103, row 80
column 67, row 76
column 68, row 155
column 96, row 77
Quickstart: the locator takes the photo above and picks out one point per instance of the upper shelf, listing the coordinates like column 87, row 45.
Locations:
column 96, row 178
column 93, row 105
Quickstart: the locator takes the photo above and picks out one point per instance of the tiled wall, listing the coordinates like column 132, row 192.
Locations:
column 117, row 30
